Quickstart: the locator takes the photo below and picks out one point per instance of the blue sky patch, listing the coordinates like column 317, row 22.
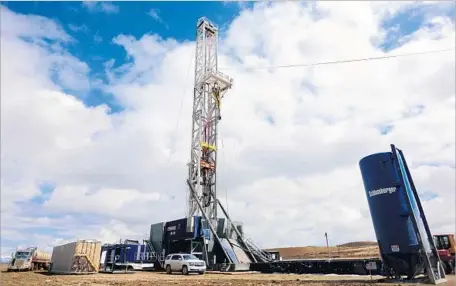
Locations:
column 46, row 190
column 385, row 129
column 408, row 21
column 428, row 196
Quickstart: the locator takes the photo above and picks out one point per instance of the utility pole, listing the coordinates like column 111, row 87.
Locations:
column 327, row 244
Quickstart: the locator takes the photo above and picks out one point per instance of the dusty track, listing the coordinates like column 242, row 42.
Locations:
column 151, row 278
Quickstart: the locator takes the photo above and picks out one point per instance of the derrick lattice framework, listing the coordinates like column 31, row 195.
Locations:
column 210, row 87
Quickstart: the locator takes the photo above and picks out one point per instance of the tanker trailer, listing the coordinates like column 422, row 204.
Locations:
column 30, row 258
column 405, row 241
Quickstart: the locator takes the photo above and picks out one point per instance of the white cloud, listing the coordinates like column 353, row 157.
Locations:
column 298, row 175
column 37, row 27
column 79, row 28
column 103, row 6
column 154, row 13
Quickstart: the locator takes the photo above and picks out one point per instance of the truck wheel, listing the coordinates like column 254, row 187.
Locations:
column 168, row 269
column 449, row 267
column 185, row 270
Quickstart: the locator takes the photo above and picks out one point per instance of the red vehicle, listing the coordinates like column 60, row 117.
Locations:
column 446, row 247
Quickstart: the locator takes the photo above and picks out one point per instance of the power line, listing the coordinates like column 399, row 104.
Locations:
column 341, row 61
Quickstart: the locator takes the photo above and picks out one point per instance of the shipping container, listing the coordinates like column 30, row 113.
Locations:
column 82, row 256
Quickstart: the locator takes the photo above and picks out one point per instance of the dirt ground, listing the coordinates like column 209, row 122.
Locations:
column 156, row 278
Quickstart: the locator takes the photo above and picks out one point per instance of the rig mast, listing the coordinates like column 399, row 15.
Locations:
column 210, row 87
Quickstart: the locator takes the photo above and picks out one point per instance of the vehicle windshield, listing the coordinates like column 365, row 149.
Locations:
column 442, row 242
column 22, row 255
column 190, row 257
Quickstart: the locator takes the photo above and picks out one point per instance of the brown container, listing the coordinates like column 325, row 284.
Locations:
column 41, row 256
column 79, row 257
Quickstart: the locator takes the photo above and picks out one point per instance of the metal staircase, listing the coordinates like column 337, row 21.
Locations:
column 261, row 255
column 155, row 256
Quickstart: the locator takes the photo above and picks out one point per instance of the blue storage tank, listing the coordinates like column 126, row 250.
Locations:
column 392, row 206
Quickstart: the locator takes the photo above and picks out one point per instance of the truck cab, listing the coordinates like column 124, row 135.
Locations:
column 22, row 260
column 446, row 248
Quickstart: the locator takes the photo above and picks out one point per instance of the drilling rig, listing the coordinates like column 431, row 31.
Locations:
column 210, row 87
column 216, row 239
column 226, row 237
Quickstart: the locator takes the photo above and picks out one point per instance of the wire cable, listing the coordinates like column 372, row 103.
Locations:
column 341, row 61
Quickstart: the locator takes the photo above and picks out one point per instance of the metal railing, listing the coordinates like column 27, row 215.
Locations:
column 264, row 256
column 149, row 256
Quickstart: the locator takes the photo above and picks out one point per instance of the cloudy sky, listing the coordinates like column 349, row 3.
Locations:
column 96, row 116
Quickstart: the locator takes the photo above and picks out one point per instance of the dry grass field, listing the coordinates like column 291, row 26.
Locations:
column 348, row 250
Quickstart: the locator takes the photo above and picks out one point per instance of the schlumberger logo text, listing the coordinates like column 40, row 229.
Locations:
column 381, row 191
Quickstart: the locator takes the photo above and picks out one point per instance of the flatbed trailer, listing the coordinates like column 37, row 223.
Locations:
column 341, row 266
